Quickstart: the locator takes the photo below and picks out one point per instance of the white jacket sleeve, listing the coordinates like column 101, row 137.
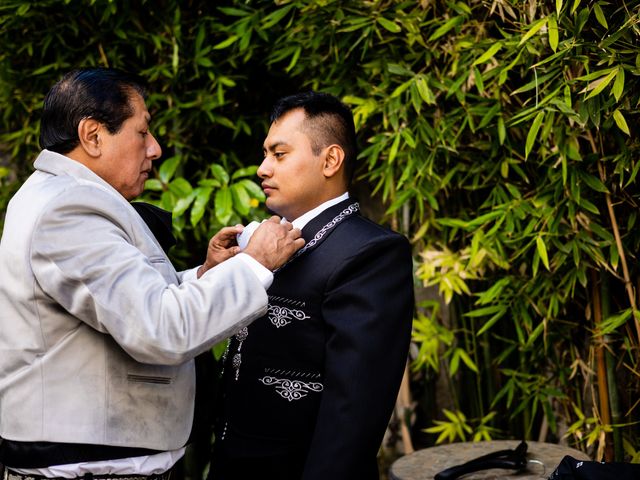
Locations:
column 90, row 254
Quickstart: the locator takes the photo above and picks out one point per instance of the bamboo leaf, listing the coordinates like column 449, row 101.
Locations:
column 542, row 251
column 621, row 122
column 226, row 43
column 448, row 25
column 393, row 27
column 599, row 85
column 593, row 182
column 491, row 51
column 533, row 134
column 618, row 85
column 535, row 28
column 553, row 32
column 558, row 7
column 274, row 17
column 602, row 20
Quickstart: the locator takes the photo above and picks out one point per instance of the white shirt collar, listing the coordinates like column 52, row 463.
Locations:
column 302, row 220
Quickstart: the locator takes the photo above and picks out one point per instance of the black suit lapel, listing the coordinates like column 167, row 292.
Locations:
column 319, row 228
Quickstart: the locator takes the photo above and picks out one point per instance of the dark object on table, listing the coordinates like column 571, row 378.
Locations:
column 515, row 459
column 572, row 469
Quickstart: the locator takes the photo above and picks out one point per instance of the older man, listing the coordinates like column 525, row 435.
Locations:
column 97, row 329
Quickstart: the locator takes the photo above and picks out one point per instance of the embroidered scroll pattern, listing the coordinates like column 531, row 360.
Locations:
column 281, row 316
column 292, row 389
column 350, row 210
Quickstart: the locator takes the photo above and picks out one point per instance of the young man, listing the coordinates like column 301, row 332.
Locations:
column 309, row 387
column 97, row 329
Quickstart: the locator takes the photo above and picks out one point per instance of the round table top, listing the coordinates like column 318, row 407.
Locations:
column 424, row 464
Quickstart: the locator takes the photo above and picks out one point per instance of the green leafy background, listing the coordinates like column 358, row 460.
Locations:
column 500, row 136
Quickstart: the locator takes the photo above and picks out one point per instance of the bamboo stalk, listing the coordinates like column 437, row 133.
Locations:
column 623, row 259
column 614, row 397
column 403, row 412
column 603, row 393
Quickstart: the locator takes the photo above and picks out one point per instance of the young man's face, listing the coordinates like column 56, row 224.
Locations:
column 292, row 176
column 127, row 155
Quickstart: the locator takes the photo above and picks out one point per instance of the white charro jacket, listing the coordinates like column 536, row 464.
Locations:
column 97, row 329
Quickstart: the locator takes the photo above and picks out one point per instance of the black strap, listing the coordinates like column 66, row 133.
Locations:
column 510, row 459
column 15, row 454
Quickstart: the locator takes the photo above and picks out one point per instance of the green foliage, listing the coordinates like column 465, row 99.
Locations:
column 500, row 134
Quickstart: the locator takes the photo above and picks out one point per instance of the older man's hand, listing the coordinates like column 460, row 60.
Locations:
column 222, row 246
column 273, row 243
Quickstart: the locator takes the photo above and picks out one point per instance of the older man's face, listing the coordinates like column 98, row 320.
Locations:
column 126, row 156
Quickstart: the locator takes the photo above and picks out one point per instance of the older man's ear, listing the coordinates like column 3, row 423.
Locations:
column 89, row 135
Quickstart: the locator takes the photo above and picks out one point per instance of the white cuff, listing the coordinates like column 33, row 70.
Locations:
column 189, row 275
column 263, row 273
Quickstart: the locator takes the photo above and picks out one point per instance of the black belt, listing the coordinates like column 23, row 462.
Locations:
column 14, row 454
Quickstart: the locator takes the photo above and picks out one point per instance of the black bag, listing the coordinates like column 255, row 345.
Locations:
column 572, row 469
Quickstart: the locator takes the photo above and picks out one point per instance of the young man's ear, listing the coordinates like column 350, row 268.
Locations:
column 333, row 160
column 89, row 135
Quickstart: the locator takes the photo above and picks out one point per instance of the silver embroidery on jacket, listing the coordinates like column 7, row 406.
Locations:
column 236, row 360
column 292, row 389
column 350, row 210
column 281, row 316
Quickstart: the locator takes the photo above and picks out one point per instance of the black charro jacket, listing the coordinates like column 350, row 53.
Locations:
column 310, row 387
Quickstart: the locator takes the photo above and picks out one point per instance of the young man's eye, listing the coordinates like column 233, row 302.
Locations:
column 278, row 154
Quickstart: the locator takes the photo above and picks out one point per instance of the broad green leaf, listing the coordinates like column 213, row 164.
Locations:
column 542, row 251
column 245, row 172
column 535, row 28
column 182, row 204
column 621, row 122
column 533, row 133
column 393, row 27
column 180, row 187
column 223, row 205
column 491, row 51
column 220, row 173
column 241, row 199
column 253, row 189
column 153, row 184
column 168, row 168
column 202, row 196
column 553, row 32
